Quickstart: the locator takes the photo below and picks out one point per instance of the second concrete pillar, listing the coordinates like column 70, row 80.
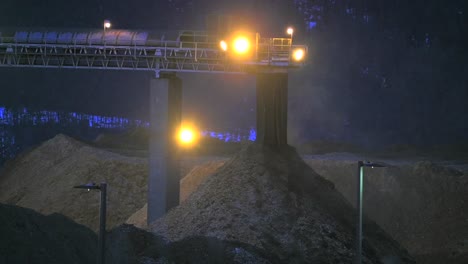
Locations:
column 272, row 108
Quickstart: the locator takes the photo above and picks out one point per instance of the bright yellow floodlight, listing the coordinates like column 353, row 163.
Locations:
column 223, row 45
column 298, row 54
column 241, row 45
column 187, row 135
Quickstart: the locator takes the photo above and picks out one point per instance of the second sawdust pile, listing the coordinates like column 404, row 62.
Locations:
column 270, row 199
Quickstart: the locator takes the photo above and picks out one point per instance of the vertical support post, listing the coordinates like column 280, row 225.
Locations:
column 272, row 108
column 102, row 224
column 103, row 39
column 175, row 121
column 360, row 183
column 165, row 120
column 257, row 38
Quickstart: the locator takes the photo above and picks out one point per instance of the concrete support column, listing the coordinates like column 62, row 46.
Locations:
column 165, row 120
column 272, row 108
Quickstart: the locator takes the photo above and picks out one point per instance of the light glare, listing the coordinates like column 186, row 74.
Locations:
column 298, row 54
column 223, row 45
column 107, row 24
column 241, row 45
column 187, row 136
column 290, row 31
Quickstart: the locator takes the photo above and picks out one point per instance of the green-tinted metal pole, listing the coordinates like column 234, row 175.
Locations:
column 360, row 186
column 360, row 190
column 102, row 224
column 102, row 217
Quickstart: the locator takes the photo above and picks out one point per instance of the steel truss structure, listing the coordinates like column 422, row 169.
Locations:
column 202, row 55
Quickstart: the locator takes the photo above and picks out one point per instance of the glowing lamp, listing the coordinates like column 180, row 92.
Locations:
column 223, row 45
column 107, row 24
column 290, row 31
column 186, row 136
column 298, row 54
column 241, row 45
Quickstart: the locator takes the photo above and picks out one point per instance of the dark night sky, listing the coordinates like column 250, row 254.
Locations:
column 399, row 77
column 125, row 93
column 121, row 93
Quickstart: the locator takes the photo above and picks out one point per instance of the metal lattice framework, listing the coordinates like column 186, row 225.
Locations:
column 112, row 51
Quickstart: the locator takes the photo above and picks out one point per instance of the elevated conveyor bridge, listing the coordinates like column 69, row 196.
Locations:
column 183, row 51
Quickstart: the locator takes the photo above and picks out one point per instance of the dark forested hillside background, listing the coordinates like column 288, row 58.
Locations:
column 379, row 72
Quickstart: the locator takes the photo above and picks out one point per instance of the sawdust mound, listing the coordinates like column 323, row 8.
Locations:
column 139, row 218
column 196, row 176
column 270, row 199
column 128, row 244
column 29, row 237
column 188, row 185
column 424, row 206
column 42, row 179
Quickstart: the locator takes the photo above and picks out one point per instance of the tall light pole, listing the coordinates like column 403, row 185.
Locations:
column 106, row 25
column 360, row 189
column 290, row 32
column 102, row 217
